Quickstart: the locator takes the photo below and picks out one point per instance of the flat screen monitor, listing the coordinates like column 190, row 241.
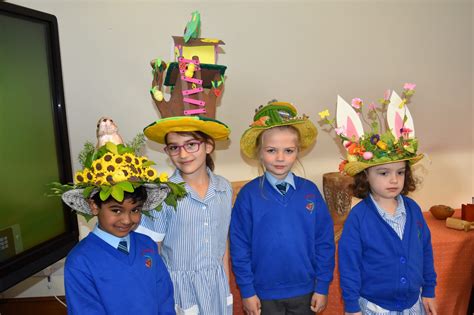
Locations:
column 35, row 230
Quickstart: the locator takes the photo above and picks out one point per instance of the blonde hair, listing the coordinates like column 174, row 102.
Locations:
column 259, row 147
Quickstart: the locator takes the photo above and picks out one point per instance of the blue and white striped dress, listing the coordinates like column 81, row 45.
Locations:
column 397, row 223
column 194, row 241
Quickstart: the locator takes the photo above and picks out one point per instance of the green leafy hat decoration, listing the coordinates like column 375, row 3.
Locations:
column 382, row 144
column 275, row 114
column 113, row 169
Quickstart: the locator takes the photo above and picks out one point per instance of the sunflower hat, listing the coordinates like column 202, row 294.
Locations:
column 111, row 169
column 195, row 82
column 392, row 142
column 275, row 114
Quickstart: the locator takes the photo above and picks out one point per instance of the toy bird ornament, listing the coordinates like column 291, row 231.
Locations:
column 193, row 28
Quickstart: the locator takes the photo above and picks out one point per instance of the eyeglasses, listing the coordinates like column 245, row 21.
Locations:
column 190, row 147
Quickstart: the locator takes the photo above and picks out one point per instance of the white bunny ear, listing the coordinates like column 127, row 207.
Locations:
column 348, row 119
column 395, row 113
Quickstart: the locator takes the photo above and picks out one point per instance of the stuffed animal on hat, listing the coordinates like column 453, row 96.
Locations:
column 107, row 131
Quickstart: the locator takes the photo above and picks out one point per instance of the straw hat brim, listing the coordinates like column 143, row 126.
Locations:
column 354, row 168
column 156, row 194
column 306, row 129
column 158, row 130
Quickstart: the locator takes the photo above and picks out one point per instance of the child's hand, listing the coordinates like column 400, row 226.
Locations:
column 430, row 305
column 318, row 302
column 252, row 305
column 358, row 313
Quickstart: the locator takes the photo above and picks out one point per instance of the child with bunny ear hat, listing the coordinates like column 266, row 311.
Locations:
column 385, row 253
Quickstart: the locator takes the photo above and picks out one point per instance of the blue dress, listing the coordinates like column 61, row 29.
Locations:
column 194, row 241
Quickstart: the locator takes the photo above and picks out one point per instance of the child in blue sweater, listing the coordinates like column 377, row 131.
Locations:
column 385, row 254
column 115, row 270
column 281, row 233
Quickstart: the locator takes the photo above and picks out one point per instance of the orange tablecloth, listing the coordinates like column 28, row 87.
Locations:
column 454, row 263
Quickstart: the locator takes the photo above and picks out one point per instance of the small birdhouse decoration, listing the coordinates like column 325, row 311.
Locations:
column 194, row 78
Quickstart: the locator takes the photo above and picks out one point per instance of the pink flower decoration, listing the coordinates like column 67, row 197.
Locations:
column 367, row 155
column 386, row 95
column 339, row 130
column 372, row 106
column 409, row 86
column 405, row 131
column 356, row 103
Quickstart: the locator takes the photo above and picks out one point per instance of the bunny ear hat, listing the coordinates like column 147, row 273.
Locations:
column 375, row 147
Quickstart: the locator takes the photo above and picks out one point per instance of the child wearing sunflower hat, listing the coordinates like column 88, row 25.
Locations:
column 115, row 270
column 385, row 253
column 281, row 233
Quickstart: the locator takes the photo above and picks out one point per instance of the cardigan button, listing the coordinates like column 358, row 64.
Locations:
column 403, row 280
column 403, row 260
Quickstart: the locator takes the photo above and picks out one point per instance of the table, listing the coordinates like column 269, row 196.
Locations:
column 453, row 252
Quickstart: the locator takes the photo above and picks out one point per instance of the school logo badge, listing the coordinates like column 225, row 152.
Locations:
column 310, row 206
column 148, row 261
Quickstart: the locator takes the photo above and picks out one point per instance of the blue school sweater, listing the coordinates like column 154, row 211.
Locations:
column 376, row 264
column 99, row 279
column 282, row 246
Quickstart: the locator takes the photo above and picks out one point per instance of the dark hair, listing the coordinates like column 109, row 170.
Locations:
column 138, row 195
column 361, row 187
column 201, row 136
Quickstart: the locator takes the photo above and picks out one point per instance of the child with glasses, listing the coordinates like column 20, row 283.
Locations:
column 193, row 238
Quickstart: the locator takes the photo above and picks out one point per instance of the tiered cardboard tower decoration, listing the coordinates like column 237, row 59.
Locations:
column 195, row 79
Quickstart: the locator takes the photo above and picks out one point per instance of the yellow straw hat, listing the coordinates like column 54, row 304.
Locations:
column 158, row 130
column 354, row 168
column 277, row 114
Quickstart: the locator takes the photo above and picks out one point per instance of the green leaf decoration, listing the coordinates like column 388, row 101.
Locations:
column 111, row 147
column 159, row 208
column 104, row 192
column 56, row 189
column 99, row 153
column 171, row 201
column 147, row 214
column 125, row 186
column 137, row 143
column 177, row 192
column 86, row 216
column 148, row 163
column 85, row 156
column 117, row 193
column 87, row 191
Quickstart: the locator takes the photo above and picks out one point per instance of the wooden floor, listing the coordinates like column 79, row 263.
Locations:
column 33, row 306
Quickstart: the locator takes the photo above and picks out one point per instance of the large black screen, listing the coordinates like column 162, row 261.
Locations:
column 35, row 230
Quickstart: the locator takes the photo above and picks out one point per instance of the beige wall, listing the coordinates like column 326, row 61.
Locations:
column 303, row 52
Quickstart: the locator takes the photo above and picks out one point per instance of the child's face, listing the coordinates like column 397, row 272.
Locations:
column 386, row 181
column 117, row 218
column 279, row 151
column 187, row 162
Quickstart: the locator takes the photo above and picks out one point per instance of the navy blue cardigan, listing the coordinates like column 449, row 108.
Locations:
column 376, row 264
